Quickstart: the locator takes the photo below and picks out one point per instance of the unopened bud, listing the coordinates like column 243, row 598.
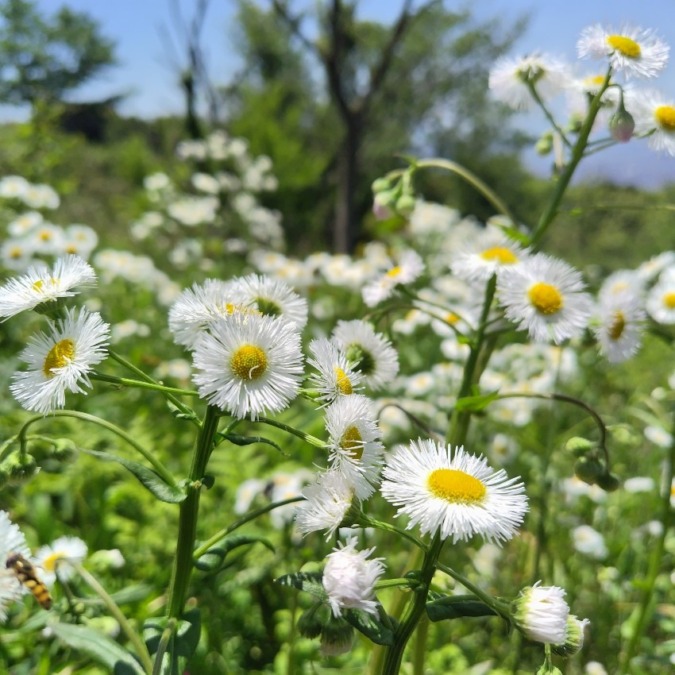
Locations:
column 588, row 470
column 544, row 145
column 380, row 185
column 405, row 205
column 608, row 482
column 621, row 125
column 579, row 446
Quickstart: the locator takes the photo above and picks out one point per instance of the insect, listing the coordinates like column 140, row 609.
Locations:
column 26, row 574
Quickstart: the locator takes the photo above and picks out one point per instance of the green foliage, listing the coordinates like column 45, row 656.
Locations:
column 42, row 59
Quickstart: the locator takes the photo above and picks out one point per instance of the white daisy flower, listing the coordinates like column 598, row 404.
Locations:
column 621, row 319
column 408, row 268
column 13, row 187
column 335, row 376
column 652, row 268
column 248, row 364
column 80, row 240
column 590, row 542
column 47, row 239
column 24, row 223
column 349, row 578
column 490, row 253
column 60, row 360
column 620, row 282
column 453, row 493
column 661, row 300
column 370, row 353
column 54, row 557
column 198, row 307
column 511, row 78
column 329, row 498
column 12, row 540
column 274, row 298
column 541, row 613
column 654, row 115
column 16, row 254
column 41, row 284
column 546, row 297
column 636, row 52
column 41, row 197
column 354, row 445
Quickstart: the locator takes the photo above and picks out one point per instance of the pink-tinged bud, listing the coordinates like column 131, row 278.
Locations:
column 621, row 125
column 382, row 206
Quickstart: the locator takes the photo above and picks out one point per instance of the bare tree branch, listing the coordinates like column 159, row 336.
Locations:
column 294, row 24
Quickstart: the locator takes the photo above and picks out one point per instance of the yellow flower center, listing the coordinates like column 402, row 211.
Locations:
column 344, row 384
column 669, row 300
column 594, row 81
column 71, row 248
column 451, row 318
column 665, row 117
column 15, row 252
column 456, row 487
column 627, row 46
column 499, row 254
column 45, row 235
column 61, row 354
column 618, row 325
column 249, row 362
column 50, row 562
column 545, row 298
column 394, row 271
column 38, row 285
column 352, row 443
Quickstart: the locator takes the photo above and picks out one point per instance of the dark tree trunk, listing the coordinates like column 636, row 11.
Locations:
column 346, row 227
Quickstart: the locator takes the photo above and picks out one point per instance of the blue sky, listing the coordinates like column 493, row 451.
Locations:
column 146, row 74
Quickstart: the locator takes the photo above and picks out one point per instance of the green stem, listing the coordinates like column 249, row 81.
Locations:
column 134, row 638
column 547, row 113
column 144, row 376
column 646, row 606
column 159, row 468
column 460, row 419
column 472, row 179
column 501, row 608
column 211, row 541
column 548, row 216
column 415, row 610
column 312, row 440
column 139, row 384
column 189, row 511
column 163, row 645
column 367, row 521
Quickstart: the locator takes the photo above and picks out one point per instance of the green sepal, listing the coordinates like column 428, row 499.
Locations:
column 148, row 478
column 100, row 648
column 310, row 582
column 370, row 626
column 214, row 559
column 457, row 606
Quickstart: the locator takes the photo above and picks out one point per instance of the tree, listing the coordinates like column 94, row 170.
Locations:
column 43, row 58
column 371, row 89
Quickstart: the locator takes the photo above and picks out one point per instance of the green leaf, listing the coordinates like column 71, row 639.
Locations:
column 214, row 558
column 99, row 647
column 152, row 481
column 456, row 606
column 185, row 638
column 309, row 582
column 476, row 403
column 370, row 626
column 238, row 439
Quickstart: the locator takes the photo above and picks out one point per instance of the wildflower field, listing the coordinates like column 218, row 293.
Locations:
column 224, row 450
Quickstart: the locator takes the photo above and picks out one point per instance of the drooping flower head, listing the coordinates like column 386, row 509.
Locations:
column 248, row 364
column 635, row 52
column 453, row 492
column 41, row 284
column 60, row 360
column 349, row 578
column 546, row 297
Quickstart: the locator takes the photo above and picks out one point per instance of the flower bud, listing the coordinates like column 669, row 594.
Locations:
column 337, row 637
column 608, row 482
column 405, row 204
column 545, row 144
column 541, row 612
column 574, row 638
column 380, row 185
column 621, row 125
column 579, row 446
column 588, row 469
column 312, row 620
